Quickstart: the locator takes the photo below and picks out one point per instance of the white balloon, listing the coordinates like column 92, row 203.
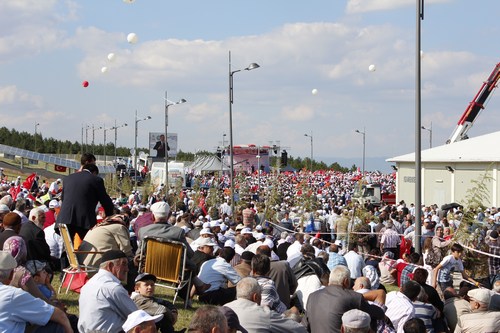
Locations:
column 111, row 57
column 104, row 69
column 128, row 1
column 422, row 55
column 372, row 68
column 132, row 38
column 314, row 91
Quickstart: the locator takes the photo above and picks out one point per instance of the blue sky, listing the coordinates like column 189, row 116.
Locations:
column 47, row 48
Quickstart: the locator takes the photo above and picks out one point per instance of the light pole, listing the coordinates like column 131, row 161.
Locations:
column 253, row 65
column 36, row 127
column 105, row 130
column 116, row 134
column 258, row 169
column 430, row 134
column 167, row 104
column 364, row 147
column 93, row 136
column 311, row 137
column 222, row 155
column 135, row 144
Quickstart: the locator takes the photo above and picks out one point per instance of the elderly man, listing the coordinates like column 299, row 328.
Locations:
column 326, row 306
column 17, row 307
column 104, row 302
column 480, row 319
column 208, row 319
column 256, row 318
column 355, row 321
column 33, row 235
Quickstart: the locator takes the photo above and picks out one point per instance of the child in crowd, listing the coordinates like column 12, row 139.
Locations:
column 42, row 276
column 443, row 273
column 145, row 300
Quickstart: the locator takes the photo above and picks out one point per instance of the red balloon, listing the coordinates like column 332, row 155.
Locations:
column 85, row 84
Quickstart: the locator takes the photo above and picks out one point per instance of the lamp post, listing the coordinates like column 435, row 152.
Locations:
column 36, row 127
column 222, row 155
column 135, row 144
column 311, row 137
column 258, row 169
column 93, row 136
column 167, row 104
column 364, row 147
column 253, row 65
column 105, row 130
column 430, row 134
column 116, row 134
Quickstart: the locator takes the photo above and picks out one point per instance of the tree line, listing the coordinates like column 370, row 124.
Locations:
column 40, row 144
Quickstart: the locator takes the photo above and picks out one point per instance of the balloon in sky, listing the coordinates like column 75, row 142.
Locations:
column 132, row 38
column 85, row 84
column 111, row 57
column 104, row 69
column 372, row 68
column 314, row 91
column 129, row 1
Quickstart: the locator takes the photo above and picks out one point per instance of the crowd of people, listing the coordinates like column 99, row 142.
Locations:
column 320, row 267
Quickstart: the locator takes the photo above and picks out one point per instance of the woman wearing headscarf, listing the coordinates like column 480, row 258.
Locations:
column 22, row 278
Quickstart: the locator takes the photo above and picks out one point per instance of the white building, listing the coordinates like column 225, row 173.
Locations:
column 447, row 171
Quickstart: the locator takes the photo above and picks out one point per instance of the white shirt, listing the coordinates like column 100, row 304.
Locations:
column 355, row 263
column 399, row 309
column 217, row 272
column 54, row 241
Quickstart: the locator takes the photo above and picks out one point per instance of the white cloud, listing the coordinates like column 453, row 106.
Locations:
column 364, row 6
column 298, row 113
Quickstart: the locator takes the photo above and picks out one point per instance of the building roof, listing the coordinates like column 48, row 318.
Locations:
column 483, row 148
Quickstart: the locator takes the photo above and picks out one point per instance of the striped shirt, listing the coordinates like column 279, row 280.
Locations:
column 427, row 312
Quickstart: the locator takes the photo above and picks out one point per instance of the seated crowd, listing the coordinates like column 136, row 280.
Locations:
column 330, row 272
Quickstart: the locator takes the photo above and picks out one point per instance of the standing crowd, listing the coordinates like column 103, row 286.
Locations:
column 320, row 267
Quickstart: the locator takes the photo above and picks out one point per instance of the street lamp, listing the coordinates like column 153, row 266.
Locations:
column 116, row 134
column 364, row 147
column 135, row 145
column 36, row 127
column 105, row 130
column 167, row 104
column 253, row 65
column 311, row 137
column 258, row 169
column 93, row 136
column 430, row 134
column 222, row 155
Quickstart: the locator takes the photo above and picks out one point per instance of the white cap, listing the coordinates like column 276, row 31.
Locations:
column 160, row 209
column 205, row 231
column 138, row 317
column 246, row 231
column 53, row 204
column 229, row 243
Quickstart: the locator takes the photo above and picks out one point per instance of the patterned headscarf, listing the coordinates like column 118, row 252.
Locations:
column 16, row 246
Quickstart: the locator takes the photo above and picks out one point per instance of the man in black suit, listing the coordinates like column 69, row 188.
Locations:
column 81, row 193
column 11, row 225
column 33, row 235
column 160, row 146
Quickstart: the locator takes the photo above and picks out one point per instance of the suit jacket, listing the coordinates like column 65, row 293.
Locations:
column 284, row 279
column 80, row 195
column 4, row 235
column 325, row 308
column 37, row 246
column 258, row 319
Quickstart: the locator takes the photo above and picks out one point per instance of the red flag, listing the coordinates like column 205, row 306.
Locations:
column 59, row 168
column 28, row 183
column 14, row 191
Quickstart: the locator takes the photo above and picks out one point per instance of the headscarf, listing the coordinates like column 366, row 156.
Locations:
column 16, row 246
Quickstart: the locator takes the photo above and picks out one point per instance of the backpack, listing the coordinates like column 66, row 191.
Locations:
column 434, row 257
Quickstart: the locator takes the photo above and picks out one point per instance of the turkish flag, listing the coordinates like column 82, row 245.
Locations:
column 59, row 168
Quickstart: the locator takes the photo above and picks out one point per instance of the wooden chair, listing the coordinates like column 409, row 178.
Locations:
column 74, row 266
column 166, row 259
